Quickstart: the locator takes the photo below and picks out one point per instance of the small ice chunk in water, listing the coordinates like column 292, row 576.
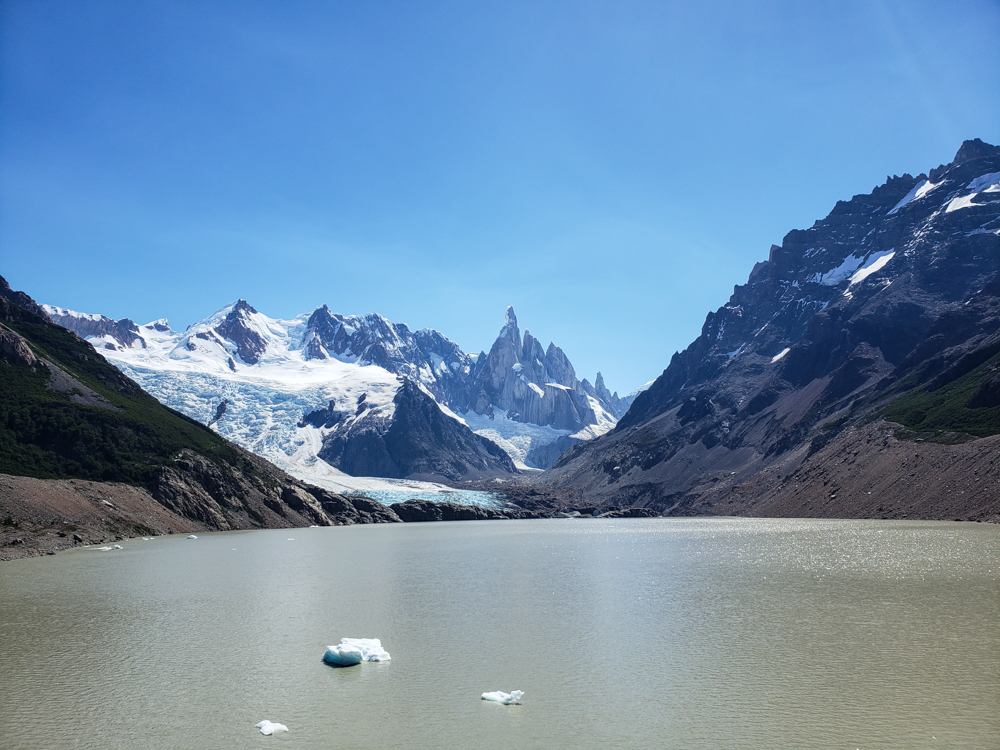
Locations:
column 118, row 546
column 269, row 728
column 502, row 697
column 343, row 656
column 352, row 651
column 192, row 536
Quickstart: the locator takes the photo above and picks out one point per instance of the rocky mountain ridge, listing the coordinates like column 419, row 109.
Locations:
column 878, row 307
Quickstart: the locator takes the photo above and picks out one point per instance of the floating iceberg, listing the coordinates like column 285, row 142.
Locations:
column 192, row 536
column 505, row 698
column 351, row 651
column 269, row 728
column 343, row 656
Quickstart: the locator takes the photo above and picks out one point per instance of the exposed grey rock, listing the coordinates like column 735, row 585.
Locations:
column 15, row 350
column 417, row 441
column 124, row 332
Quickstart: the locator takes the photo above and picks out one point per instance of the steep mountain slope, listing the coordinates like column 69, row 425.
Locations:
column 875, row 309
column 66, row 414
column 326, row 396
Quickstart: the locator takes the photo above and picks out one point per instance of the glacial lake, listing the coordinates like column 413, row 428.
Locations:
column 646, row 633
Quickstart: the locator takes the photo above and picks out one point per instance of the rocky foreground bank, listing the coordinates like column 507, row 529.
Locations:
column 44, row 516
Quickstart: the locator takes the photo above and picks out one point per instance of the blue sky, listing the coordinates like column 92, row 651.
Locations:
column 611, row 169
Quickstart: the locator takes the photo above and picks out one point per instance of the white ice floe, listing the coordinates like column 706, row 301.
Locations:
column 118, row 546
column 192, row 536
column 269, row 728
column 351, row 651
column 502, row 697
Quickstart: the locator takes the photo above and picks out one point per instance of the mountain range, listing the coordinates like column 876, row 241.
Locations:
column 854, row 374
column 326, row 395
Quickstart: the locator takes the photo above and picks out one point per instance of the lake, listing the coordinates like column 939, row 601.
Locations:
column 665, row 633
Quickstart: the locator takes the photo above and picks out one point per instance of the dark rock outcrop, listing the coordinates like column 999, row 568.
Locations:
column 416, row 441
column 237, row 327
column 413, row 511
column 15, row 350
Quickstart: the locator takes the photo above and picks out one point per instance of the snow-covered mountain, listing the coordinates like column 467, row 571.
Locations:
column 324, row 394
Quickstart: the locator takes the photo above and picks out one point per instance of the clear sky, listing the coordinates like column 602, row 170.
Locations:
column 610, row 169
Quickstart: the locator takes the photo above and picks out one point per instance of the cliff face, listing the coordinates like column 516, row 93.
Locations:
column 890, row 305
column 531, row 384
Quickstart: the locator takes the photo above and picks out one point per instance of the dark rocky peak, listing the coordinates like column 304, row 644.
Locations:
column 237, row 327
column 973, row 156
column 975, row 149
column 558, row 366
column 20, row 299
column 420, row 441
column 510, row 330
column 602, row 390
column 435, row 344
column 124, row 332
column 326, row 335
column 532, row 353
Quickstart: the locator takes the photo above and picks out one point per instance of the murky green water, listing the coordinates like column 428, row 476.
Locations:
column 659, row 633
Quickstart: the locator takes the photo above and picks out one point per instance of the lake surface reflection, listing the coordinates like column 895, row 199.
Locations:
column 666, row 633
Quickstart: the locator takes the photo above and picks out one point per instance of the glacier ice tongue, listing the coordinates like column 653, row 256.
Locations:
column 499, row 696
column 352, row 651
column 269, row 728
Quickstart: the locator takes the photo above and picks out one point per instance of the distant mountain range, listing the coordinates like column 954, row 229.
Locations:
column 325, row 394
column 856, row 373
column 87, row 456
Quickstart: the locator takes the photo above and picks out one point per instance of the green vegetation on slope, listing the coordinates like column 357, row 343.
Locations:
column 967, row 403
column 44, row 434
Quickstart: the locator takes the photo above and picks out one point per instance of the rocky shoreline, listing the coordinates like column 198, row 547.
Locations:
column 45, row 516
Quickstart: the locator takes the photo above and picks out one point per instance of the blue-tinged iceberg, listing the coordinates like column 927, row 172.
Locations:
column 351, row 651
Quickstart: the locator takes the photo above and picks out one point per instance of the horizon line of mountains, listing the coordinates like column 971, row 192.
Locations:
column 861, row 360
